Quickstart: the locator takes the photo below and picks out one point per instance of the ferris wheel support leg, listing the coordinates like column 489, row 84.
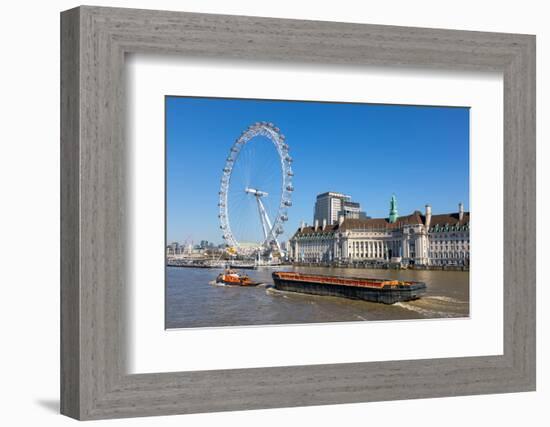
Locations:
column 266, row 223
column 266, row 226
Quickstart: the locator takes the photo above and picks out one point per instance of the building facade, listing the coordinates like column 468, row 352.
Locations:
column 174, row 248
column 330, row 206
column 351, row 210
column 421, row 239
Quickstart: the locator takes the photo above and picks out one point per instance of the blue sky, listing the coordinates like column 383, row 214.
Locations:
column 369, row 151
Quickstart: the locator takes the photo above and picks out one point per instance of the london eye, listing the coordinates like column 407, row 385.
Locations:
column 256, row 189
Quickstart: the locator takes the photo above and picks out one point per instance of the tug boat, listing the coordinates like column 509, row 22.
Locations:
column 385, row 291
column 232, row 277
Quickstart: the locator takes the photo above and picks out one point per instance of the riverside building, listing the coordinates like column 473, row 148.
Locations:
column 419, row 239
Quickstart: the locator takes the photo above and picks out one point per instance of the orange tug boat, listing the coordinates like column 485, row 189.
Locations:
column 385, row 291
column 232, row 277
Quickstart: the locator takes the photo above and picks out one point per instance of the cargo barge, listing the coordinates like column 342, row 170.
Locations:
column 375, row 290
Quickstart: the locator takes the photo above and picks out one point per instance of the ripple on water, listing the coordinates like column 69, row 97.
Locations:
column 192, row 302
column 436, row 307
column 445, row 299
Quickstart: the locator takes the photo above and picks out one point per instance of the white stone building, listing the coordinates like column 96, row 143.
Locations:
column 422, row 239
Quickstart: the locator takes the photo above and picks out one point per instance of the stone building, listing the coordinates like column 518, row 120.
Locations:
column 418, row 238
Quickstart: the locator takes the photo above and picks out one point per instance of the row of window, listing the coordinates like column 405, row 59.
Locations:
column 443, row 236
column 450, row 242
column 364, row 244
column 449, row 247
column 363, row 255
column 448, row 262
column 449, row 255
column 374, row 246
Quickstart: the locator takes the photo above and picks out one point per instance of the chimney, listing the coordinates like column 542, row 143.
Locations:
column 324, row 223
column 460, row 211
column 340, row 219
column 316, row 224
column 428, row 215
column 301, row 225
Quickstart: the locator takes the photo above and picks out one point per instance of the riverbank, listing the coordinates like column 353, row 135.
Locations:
column 356, row 265
column 221, row 264
column 383, row 266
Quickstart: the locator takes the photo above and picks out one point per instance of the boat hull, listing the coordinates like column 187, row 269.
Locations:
column 389, row 295
column 233, row 280
column 231, row 283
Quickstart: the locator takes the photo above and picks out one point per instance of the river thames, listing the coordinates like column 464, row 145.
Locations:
column 193, row 300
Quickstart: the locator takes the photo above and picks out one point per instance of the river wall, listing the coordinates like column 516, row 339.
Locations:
column 382, row 266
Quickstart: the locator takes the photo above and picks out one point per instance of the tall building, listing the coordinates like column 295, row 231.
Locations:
column 423, row 239
column 351, row 210
column 174, row 248
column 330, row 205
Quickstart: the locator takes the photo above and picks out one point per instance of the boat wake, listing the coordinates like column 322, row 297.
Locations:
column 445, row 299
column 425, row 312
column 270, row 290
column 220, row 284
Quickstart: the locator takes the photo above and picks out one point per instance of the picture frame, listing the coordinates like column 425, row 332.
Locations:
column 94, row 380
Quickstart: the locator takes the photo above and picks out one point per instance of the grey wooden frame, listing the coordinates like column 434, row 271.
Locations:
column 94, row 382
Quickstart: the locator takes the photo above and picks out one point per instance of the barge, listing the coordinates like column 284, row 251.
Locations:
column 375, row 290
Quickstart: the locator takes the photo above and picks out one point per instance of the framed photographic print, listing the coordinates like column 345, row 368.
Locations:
column 292, row 213
column 264, row 274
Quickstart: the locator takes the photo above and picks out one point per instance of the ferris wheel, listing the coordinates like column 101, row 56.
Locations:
column 256, row 189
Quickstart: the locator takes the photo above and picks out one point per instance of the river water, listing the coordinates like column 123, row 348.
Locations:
column 193, row 300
